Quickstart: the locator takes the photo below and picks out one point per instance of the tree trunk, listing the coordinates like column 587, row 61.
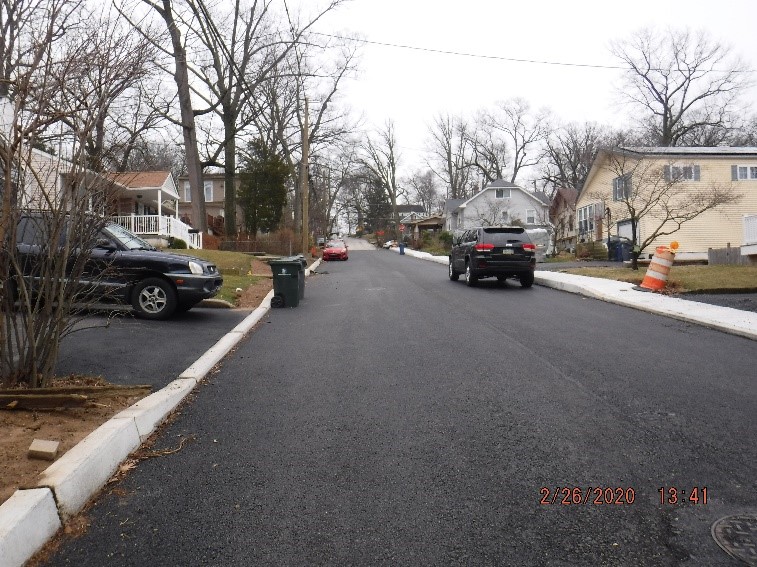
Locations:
column 188, row 130
column 230, row 166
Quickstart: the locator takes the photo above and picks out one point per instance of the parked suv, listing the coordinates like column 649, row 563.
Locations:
column 496, row 251
column 122, row 268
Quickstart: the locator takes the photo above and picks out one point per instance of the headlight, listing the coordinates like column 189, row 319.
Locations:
column 195, row 268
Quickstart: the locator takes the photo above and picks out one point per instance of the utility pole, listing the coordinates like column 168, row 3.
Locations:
column 304, row 181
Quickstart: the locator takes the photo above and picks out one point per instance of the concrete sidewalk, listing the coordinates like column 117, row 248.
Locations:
column 726, row 319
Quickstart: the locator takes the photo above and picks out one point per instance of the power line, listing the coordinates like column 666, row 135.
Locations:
column 497, row 57
column 474, row 55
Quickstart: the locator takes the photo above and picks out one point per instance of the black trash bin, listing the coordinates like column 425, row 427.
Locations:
column 287, row 273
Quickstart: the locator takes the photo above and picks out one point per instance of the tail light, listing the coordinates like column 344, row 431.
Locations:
column 481, row 247
column 529, row 246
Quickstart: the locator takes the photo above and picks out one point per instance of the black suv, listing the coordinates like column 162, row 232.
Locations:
column 122, row 268
column 501, row 251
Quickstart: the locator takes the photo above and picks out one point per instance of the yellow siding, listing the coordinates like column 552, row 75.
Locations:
column 712, row 229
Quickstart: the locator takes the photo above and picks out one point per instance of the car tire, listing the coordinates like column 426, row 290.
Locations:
column 453, row 275
column 154, row 298
column 527, row 279
column 470, row 278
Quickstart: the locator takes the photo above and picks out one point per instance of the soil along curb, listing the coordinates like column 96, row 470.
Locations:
column 30, row 518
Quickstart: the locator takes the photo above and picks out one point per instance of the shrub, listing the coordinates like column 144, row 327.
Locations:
column 446, row 238
column 178, row 244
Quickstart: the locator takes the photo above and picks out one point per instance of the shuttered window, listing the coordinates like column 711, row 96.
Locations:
column 743, row 172
column 682, row 173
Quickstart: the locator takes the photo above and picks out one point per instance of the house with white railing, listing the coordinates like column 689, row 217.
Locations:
column 148, row 205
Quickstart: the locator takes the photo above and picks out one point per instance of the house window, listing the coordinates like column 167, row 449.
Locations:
column 502, row 193
column 681, row 173
column 743, row 172
column 621, row 188
column 208, row 186
column 187, row 192
column 586, row 218
column 530, row 216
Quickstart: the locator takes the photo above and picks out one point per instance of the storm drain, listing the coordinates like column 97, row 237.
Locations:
column 737, row 536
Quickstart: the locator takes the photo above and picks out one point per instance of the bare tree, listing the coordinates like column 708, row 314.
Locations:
column 315, row 69
column 523, row 130
column 680, row 84
column 569, row 155
column 490, row 153
column 116, row 62
column 423, row 190
column 381, row 159
column 451, row 148
column 37, row 297
column 664, row 200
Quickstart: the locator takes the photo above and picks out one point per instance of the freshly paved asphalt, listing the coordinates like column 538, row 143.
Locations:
column 128, row 350
column 398, row 418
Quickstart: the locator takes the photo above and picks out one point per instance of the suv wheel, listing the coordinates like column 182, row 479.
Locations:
column 470, row 279
column 453, row 275
column 526, row 279
column 154, row 298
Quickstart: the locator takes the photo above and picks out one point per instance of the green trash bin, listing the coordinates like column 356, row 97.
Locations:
column 287, row 273
column 301, row 279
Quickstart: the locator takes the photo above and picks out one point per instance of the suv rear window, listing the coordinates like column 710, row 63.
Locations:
column 504, row 235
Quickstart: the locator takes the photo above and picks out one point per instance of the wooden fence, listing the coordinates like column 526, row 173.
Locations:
column 731, row 255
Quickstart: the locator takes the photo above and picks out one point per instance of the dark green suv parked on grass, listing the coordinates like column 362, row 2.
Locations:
column 496, row 251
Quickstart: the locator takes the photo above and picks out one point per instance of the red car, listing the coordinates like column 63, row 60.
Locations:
column 335, row 250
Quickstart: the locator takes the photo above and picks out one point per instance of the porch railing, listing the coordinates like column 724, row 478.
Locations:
column 750, row 229
column 160, row 225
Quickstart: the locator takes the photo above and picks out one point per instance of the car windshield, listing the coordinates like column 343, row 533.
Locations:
column 128, row 239
column 334, row 244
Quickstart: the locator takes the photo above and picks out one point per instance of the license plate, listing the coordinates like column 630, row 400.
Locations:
column 508, row 251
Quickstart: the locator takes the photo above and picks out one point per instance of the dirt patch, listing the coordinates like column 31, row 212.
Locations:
column 251, row 297
column 67, row 426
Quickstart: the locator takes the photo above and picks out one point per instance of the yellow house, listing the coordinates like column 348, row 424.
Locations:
column 701, row 197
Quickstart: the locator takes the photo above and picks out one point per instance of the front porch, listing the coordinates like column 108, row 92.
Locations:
column 159, row 229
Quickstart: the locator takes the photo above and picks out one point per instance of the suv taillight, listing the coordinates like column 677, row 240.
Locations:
column 529, row 246
column 482, row 247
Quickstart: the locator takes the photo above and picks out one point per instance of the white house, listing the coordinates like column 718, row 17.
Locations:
column 499, row 203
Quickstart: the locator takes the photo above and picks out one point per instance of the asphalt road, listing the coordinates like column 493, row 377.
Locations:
column 398, row 418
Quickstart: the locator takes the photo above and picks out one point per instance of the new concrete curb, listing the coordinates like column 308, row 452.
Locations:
column 30, row 517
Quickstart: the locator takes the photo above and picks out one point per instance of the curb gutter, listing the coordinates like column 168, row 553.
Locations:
column 31, row 517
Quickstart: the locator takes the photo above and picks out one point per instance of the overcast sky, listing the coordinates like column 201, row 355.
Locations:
column 411, row 86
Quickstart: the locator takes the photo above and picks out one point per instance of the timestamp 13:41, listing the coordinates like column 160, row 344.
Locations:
column 672, row 496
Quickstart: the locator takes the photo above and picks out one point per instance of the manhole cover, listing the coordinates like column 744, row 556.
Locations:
column 737, row 535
